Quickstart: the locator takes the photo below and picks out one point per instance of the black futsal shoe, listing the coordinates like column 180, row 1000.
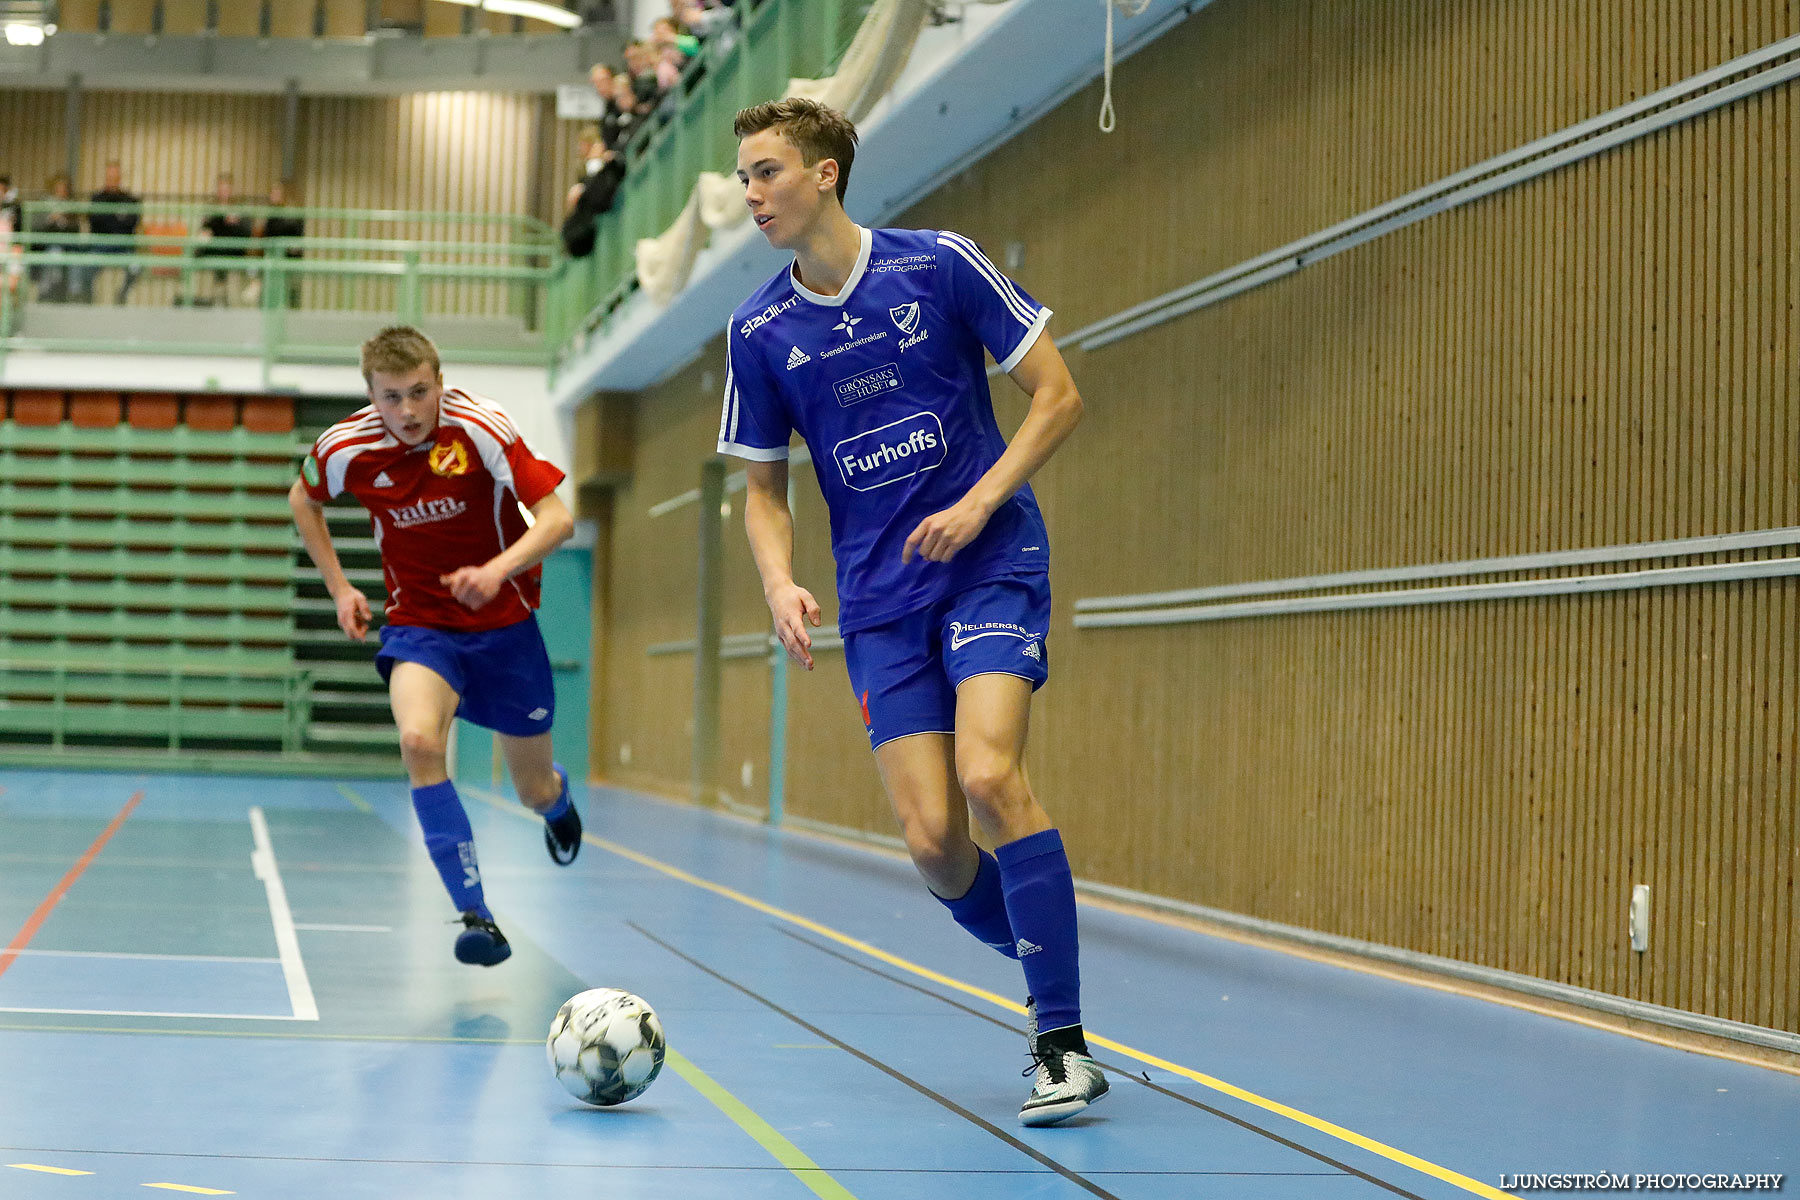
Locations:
column 562, row 837
column 481, row 944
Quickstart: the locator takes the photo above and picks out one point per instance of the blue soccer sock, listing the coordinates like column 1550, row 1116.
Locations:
column 1040, row 900
column 982, row 909
column 451, row 844
column 561, row 807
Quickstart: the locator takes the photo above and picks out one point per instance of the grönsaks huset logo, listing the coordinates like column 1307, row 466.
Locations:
column 895, row 451
column 857, row 388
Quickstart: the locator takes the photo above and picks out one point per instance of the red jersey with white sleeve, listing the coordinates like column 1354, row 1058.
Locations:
column 451, row 501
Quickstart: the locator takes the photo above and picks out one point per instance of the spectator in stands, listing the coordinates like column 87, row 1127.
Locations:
column 53, row 279
column 703, row 18
column 289, row 230
column 224, row 222
column 601, row 76
column 10, row 204
column 666, row 32
column 623, row 119
column 9, row 264
column 123, row 223
column 669, row 65
column 591, row 195
column 640, row 64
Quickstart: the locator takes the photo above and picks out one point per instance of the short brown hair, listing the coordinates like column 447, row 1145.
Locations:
column 817, row 131
column 397, row 350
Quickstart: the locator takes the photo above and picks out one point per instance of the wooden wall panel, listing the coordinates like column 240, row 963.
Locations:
column 241, row 18
column 187, row 17
column 466, row 152
column 1599, row 356
column 78, row 16
column 131, row 16
column 294, row 18
column 32, row 128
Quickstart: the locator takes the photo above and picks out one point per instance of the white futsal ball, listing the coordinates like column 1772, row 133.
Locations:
column 605, row 1046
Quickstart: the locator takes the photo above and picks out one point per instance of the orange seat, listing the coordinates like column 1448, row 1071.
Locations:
column 269, row 414
column 215, row 414
column 168, row 249
column 94, row 410
column 153, row 411
column 38, row 408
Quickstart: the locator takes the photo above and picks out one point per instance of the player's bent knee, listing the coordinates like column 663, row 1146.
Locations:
column 421, row 746
column 992, row 782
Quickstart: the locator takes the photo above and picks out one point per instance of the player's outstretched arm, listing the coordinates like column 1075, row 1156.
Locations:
column 551, row 526
column 1055, row 411
column 315, row 534
column 770, row 527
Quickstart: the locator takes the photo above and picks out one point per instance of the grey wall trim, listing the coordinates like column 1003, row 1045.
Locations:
column 1627, row 552
column 735, row 482
column 1689, row 98
column 1511, row 589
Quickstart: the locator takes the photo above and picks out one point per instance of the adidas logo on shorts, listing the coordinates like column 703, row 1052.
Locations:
column 537, row 714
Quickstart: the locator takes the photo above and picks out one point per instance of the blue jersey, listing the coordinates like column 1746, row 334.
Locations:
column 887, row 385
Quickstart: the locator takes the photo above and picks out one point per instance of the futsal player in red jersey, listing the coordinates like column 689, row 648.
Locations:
column 443, row 474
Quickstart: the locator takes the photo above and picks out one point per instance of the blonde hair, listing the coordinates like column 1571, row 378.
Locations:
column 397, row 350
column 816, row 130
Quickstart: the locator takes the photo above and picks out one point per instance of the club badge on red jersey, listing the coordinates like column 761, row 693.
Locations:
column 449, row 459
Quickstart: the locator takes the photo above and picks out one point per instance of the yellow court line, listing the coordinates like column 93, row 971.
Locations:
column 46, row 1170
column 182, row 1187
column 783, row 1151
column 1320, row 1124
column 351, row 795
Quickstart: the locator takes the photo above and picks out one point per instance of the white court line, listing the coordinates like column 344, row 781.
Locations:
column 219, row 958
column 293, row 968
column 316, row 927
column 118, row 1012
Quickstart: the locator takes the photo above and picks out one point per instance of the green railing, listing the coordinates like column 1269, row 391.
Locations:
column 415, row 267
column 776, row 40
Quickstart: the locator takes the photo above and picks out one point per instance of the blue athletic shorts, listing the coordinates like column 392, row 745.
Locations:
column 905, row 673
column 502, row 675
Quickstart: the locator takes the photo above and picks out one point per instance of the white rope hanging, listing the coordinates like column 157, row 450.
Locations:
column 1130, row 8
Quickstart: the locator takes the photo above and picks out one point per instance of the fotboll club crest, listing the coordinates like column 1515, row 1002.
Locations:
column 448, row 459
column 906, row 317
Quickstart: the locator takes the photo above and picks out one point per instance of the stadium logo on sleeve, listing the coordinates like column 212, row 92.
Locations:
column 766, row 315
column 857, row 388
column 448, row 459
column 896, row 451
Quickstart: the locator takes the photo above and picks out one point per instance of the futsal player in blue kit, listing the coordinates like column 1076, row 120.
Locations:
column 870, row 346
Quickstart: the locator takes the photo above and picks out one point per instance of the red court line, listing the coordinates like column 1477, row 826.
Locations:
column 36, row 920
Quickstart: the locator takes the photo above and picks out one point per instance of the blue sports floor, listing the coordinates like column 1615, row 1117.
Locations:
column 220, row 986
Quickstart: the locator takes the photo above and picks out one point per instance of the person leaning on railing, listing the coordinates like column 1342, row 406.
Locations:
column 122, row 223
column 224, row 223
column 53, row 279
column 290, row 229
column 592, row 194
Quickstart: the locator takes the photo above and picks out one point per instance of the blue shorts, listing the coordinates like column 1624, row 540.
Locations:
column 905, row 673
column 502, row 675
